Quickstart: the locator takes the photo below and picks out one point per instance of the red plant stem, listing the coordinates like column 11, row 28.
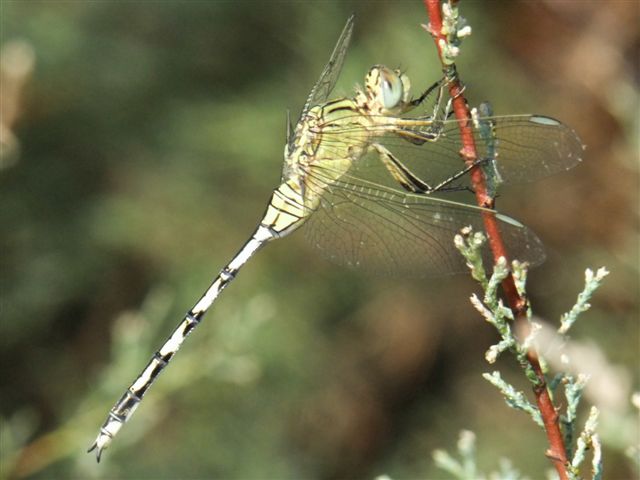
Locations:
column 557, row 450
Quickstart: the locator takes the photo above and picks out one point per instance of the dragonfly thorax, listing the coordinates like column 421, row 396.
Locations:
column 304, row 144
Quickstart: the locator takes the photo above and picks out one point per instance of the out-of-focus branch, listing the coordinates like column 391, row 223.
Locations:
column 441, row 33
column 16, row 64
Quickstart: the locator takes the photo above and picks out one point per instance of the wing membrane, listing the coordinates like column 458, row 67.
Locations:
column 323, row 87
column 369, row 226
column 529, row 147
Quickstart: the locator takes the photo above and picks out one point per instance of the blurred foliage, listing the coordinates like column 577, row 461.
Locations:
column 148, row 136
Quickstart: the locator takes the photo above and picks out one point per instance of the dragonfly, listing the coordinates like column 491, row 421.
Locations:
column 368, row 177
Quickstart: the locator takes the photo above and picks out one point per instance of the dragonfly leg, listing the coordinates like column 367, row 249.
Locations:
column 448, row 109
column 445, row 185
column 430, row 134
column 432, row 123
column 440, row 85
column 400, row 172
column 436, row 114
column 412, row 183
column 417, row 101
column 422, row 134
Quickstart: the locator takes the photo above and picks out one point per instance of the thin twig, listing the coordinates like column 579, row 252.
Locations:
column 557, row 451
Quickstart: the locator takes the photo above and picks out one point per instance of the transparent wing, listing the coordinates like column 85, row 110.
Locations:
column 321, row 90
column 529, row 147
column 367, row 225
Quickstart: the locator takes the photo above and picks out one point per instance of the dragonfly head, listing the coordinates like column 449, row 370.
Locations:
column 387, row 90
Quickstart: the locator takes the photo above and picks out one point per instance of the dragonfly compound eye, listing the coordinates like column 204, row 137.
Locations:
column 391, row 89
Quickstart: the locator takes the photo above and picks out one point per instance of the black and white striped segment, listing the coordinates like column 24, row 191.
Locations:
column 283, row 215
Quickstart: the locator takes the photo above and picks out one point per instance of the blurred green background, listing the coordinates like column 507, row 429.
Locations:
column 140, row 143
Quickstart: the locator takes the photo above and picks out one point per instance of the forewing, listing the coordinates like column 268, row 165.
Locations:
column 529, row 147
column 323, row 87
